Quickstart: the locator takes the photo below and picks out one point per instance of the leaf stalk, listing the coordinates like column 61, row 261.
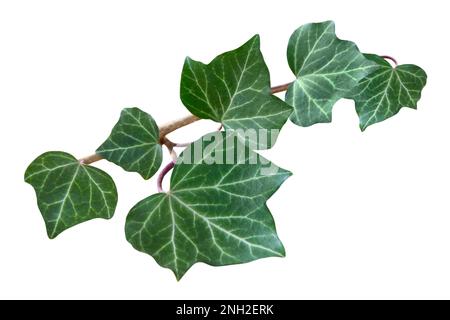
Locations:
column 162, row 174
column 390, row 58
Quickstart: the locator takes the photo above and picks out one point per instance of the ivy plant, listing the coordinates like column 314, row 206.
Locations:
column 215, row 211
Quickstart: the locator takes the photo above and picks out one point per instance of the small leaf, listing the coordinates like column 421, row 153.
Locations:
column 68, row 192
column 134, row 143
column 326, row 69
column 234, row 89
column 382, row 94
column 214, row 213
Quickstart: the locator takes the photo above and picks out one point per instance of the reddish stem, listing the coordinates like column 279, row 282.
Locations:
column 281, row 88
column 162, row 174
column 390, row 58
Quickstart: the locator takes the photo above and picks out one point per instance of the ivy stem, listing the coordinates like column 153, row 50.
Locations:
column 281, row 88
column 185, row 144
column 162, row 174
column 90, row 159
column 167, row 128
column 170, row 145
column 174, row 125
column 181, row 144
column 390, row 58
column 163, row 140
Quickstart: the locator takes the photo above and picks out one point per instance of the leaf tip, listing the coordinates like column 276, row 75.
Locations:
column 256, row 38
column 287, row 174
column 187, row 60
column 178, row 275
column 363, row 127
column 52, row 233
column 51, row 236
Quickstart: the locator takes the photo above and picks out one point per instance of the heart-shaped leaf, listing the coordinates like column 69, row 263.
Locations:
column 134, row 143
column 68, row 192
column 234, row 89
column 326, row 69
column 214, row 213
column 382, row 94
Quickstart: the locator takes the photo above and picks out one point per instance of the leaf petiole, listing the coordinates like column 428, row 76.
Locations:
column 391, row 59
column 162, row 174
column 280, row 88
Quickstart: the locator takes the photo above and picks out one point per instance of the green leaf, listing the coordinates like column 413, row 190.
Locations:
column 234, row 89
column 214, row 213
column 326, row 69
column 68, row 192
column 134, row 143
column 386, row 90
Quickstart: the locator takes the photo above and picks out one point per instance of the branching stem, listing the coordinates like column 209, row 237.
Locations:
column 170, row 145
column 163, row 140
column 165, row 129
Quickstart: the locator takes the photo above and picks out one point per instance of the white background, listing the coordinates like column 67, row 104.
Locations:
column 366, row 215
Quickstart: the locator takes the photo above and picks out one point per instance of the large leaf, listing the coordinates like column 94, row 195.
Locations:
column 385, row 91
column 326, row 69
column 213, row 213
column 234, row 89
column 134, row 143
column 68, row 192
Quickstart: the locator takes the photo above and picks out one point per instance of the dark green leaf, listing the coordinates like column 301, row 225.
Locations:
column 214, row 213
column 68, row 192
column 234, row 89
column 385, row 91
column 326, row 69
column 134, row 143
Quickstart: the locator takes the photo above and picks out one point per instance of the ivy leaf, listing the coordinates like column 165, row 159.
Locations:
column 214, row 213
column 385, row 91
column 134, row 143
column 68, row 192
column 326, row 69
column 234, row 89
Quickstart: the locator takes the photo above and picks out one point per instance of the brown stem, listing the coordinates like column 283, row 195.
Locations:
column 170, row 145
column 167, row 142
column 90, row 159
column 281, row 88
column 185, row 144
column 174, row 125
column 164, row 130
